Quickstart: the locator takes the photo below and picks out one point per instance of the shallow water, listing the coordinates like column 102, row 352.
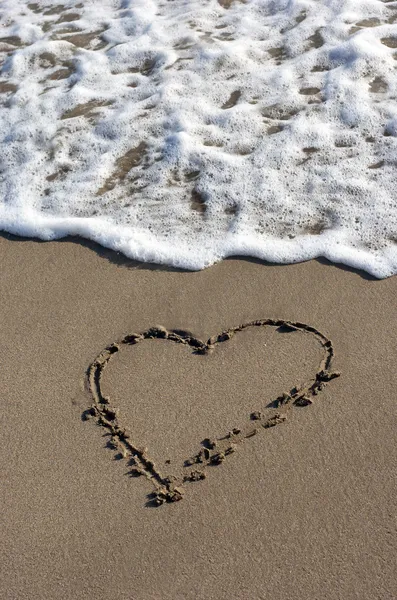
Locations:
column 184, row 132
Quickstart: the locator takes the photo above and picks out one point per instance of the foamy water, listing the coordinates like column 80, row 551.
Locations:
column 185, row 131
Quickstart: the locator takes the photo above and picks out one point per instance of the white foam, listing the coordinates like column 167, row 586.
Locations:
column 265, row 129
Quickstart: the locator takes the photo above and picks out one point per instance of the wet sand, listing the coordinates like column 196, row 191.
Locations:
column 304, row 509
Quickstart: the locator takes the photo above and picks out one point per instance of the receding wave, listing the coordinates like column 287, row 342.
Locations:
column 185, row 131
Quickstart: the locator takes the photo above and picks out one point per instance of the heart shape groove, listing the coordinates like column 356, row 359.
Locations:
column 214, row 451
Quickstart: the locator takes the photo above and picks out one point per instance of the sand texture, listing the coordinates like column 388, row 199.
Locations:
column 126, row 387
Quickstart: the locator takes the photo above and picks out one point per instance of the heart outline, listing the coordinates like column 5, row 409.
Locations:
column 167, row 489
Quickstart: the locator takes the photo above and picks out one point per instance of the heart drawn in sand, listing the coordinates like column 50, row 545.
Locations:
column 213, row 451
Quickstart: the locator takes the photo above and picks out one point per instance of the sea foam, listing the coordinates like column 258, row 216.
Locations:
column 185, row 131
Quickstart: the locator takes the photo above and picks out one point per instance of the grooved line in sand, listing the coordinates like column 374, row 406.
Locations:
column 213, row 452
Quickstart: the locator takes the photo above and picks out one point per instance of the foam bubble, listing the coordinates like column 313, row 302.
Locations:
column 184, row 132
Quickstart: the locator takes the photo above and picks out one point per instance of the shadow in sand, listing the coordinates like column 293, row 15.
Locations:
column 363, row 274
column 114, row 257
column 321, row 260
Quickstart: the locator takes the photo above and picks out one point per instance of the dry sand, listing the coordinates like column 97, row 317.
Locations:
column 304, row 510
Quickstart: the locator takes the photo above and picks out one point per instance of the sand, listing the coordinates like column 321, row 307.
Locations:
column 305, row 509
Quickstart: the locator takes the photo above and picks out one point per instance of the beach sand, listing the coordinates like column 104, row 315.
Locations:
column 306, row 509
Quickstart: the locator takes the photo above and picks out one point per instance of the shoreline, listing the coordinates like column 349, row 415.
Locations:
column 120, row 259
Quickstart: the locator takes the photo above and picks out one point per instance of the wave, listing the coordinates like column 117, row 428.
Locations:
column 183, row 132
